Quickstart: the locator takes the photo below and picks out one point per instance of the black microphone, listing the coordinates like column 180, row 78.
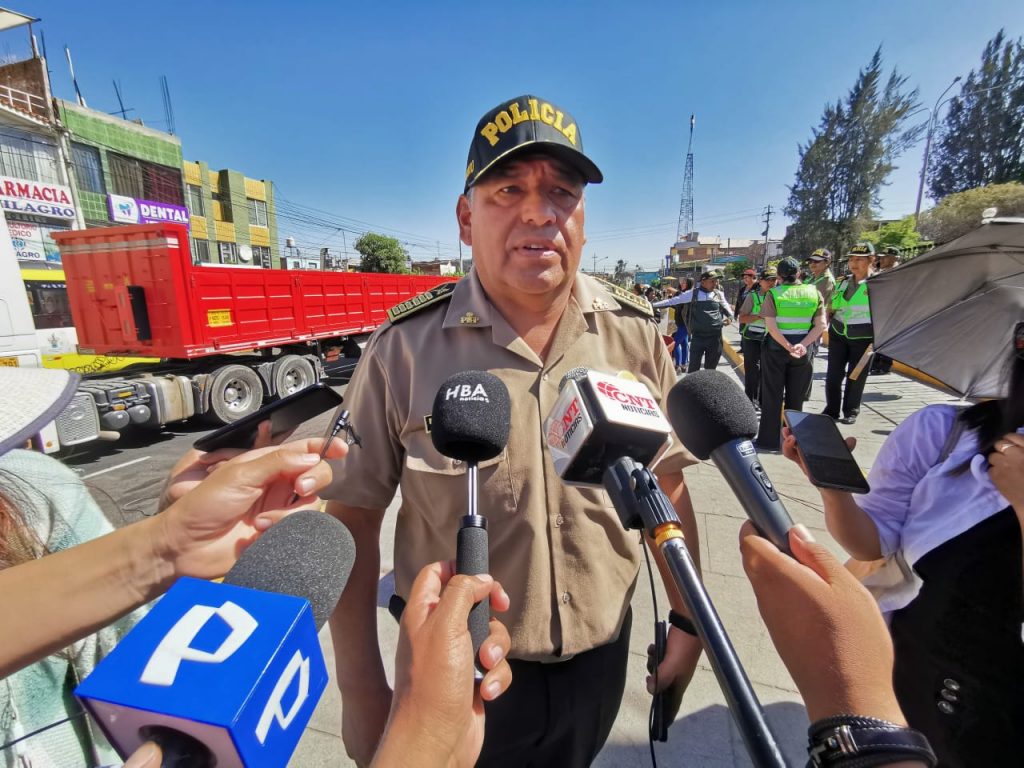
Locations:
column 229, row 673
column 599, row 418
column 714, row 419
column 470, row 422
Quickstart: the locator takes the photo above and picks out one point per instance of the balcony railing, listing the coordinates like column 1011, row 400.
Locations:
column 22, row 101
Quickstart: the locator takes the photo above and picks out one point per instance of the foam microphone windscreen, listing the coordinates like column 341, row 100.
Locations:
column 307, row 554
column 708, row 409
column 470, row 419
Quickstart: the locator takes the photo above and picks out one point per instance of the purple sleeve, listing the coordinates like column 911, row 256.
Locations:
column 908, row 453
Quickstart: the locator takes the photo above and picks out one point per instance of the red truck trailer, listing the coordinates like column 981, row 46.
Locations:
column 228, row 337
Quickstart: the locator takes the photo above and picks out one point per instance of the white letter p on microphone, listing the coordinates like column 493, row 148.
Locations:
column 162, row 667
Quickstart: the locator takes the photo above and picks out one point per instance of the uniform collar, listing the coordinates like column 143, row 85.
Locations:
column 470, row 307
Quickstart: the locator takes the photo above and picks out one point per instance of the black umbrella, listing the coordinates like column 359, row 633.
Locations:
column 950, row 313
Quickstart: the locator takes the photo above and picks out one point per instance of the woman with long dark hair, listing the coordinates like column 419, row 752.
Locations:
column 945, row 510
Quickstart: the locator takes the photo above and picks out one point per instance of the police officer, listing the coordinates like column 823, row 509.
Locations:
column 752, row 334
column 819, row 264
column 849, row 335
column 794, row 317
column 528, row 315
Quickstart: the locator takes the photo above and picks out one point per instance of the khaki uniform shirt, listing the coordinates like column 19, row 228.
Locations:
column 561, row 553
column 825, row 285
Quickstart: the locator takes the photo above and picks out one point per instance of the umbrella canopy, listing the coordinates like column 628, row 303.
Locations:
column 950, row 313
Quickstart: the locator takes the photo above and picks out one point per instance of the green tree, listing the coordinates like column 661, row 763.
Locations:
column 981, row 141
column 898, row 233
column 959, row 213
column 381, row 254
column 621, row 276
column 847, row 160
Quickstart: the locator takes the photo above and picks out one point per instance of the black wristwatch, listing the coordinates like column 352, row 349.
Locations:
column 850, row 741
column 681, row 622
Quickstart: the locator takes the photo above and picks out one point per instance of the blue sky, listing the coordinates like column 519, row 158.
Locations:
column 365, row 111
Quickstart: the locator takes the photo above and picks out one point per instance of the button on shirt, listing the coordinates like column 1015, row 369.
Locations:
column 560, row 552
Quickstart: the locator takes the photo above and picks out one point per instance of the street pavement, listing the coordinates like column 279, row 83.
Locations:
column 704, row 733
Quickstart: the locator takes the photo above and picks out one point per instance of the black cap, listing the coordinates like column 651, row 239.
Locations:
column 787, row 267
column 862, row 249
column 712, row 273
column 891, row 250
column 527, row 123
column 821, row 254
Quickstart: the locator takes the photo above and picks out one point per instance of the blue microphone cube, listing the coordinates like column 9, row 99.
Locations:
column 237, row 669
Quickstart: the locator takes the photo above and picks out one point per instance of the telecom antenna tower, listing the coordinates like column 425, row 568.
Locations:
column 686, row 203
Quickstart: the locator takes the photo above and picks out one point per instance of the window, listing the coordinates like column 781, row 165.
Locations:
column 195, row 200
column 49, row 302
column 136, row 178
column 24, row 155
column 224, row 201
column 261, row 256
column 200, row 251
column 228, row 253
column 88, row 169
column 257, row 213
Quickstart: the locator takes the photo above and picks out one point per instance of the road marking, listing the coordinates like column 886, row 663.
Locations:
column 119, row 466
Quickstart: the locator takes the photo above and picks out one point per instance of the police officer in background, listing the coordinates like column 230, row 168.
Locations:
column 819, row 264
column 752, row 334
column 528, row 315
column 794, row 318
column 705, row 312
column 849, row 335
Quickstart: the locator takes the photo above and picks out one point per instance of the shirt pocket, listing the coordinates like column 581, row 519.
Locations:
column 436, row 485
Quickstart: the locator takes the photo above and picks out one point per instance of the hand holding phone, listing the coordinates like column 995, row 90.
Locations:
column 284, row 415
column 824, row 453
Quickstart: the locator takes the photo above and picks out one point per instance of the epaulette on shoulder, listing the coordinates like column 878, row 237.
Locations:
column 641, row 305
column 406, row 309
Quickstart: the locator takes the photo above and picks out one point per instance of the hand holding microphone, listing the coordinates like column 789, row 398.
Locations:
column 825, row 625
column 437, row 711
column 230, row 673
column 470, row 422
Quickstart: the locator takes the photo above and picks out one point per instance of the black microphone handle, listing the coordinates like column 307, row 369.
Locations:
column 471, row 558
column 749, row 481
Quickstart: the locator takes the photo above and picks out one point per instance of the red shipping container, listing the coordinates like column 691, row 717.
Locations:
column 134, row 291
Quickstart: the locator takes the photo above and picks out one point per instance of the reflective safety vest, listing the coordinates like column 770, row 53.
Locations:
column 795, row 307
column 754, row 330
column 851, row 317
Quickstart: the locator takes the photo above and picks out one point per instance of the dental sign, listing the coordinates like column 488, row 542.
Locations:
column 128, row 210
column 238, row 669
column 36, row 198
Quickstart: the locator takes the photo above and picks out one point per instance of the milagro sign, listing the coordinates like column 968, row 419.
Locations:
column 36, row 198
column 128, row 210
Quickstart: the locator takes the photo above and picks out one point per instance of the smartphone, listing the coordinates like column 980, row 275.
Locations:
column 284, row 415
column 829, row 462
column 659, row 728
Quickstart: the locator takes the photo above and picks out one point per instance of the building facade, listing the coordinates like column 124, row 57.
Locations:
column 35, row 190
column 233, row 217
column 124, row 172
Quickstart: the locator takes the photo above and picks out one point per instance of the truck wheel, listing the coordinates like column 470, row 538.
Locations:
column 292, row 373
column 235, row 391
